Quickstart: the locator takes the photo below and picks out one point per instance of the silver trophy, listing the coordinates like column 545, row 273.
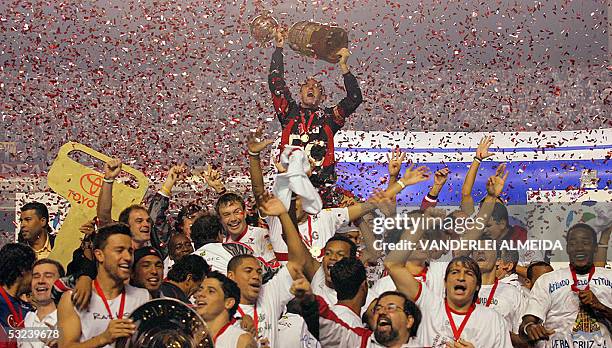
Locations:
column 167, row 323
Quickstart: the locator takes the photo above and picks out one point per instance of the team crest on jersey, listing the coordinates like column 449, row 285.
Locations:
column 12, row 322
column 315, row 235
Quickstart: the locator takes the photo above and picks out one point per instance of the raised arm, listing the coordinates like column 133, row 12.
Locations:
column 112, row 169
column 281, row 97
column 411, row 176
column 482, row 152
column 158, row 209
column 431, row 199
column 495, row 186
column 298, row 253
column 256, row 145
column 395, row 263
column 213, row 180
column 353, row 98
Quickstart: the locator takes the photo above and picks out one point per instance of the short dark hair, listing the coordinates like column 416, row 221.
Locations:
column 185, row 212
column 235, row 261
column 15, row 260
column 230, row 289
column 101, row 236
column 533, row 265
column 205, row 229
column 347, row 276
column 410, row 308
column 500, row 212
column 125, row 213
column 468, row 262
column 189, row 264
column 509, row 256
column 341, row 238
column 41, row 209
column 582, row 226
column 60, row 268
column 227, row 199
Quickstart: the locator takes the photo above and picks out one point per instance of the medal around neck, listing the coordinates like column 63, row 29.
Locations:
column 167, row 323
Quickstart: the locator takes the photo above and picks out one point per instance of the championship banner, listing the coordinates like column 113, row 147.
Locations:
column 81, row 186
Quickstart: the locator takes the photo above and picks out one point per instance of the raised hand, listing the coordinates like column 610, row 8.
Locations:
column 176, row 173
column 385, row 204
column 414, row 176
column 395, row 161
column 440, row 176
column 279, row 36
column 255, row 142
column 112, row 168
column 344, row 55
column 300, row 288
column 482, row 151
column 270, row 205
column 495, row 184
column 213, row 178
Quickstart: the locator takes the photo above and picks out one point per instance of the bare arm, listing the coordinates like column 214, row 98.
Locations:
column 395, row 264
column 112, row 169
column 482, row 152
column 255, row 147
column 298, row 253
column 495, row 186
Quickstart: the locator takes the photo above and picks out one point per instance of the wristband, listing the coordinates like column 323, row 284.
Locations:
column 526, row 326
column 602, row 245
column 254, row 154
column 108, row 181
column 477, row 159
column 401, row 183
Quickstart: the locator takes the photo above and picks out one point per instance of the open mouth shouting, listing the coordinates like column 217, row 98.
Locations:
column 384, row 323
column 460, row 289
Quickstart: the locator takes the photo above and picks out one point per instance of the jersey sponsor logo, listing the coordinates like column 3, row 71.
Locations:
column 105, row 316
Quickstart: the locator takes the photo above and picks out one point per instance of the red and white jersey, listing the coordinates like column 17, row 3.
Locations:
column 334, row 332
column 273, row 297
column 228, row 338
column 347, row 315
column 433, row 279
column 485, row 328
column 507, row 300
column 553, row 300
column 315, row 231
column 256, row 239
column 294, row 332
column 95, row 318
column 320, row 288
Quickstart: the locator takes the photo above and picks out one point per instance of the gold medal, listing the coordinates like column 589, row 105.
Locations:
column 315, row 252
column 304, row 138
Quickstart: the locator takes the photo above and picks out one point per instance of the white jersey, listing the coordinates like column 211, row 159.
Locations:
column 320, row 288
column 273, row 297
column 33, row 324
column 294, row 332
column 507, row 301
column 257, row 240
column 315, row 231
column 229, row 337
column 434, row 280
column 95, row 319
column 218, row 255
column 553, row 301
column 485, row 328
column 347, row 315
column 334, row 332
